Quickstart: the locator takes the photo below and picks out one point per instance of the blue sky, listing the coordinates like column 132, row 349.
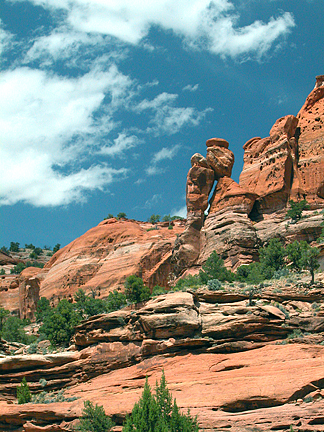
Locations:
column 103, row 102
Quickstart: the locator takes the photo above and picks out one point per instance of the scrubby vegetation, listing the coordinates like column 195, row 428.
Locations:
column 23, row 392
column 12, row 328
column 296, row 209
column 158, row 412
column 135, row 289
column 94, row 419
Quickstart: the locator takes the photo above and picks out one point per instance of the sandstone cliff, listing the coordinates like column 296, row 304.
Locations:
column 289, row 164
column 235, row 366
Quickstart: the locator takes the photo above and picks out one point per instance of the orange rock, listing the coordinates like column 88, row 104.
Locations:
column 104, row 256
column 311, row 146
column 28, row 292
column 220, row 159
column 268, row 166
column 228, row 194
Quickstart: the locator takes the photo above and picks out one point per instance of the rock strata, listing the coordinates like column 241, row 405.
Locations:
column 229, row 363
column 289, row 164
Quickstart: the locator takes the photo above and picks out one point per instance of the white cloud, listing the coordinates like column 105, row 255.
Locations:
column 156, row 199
column 191, row 88
column 182, row 211
column 168, row 119
column 165, row 153
column 122, row 143
column 154, row 170
column 49, row 126
column 203, row 24
column 5, row 39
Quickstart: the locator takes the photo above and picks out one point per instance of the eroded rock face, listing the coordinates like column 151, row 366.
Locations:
column 29, row 286
column 200, row 181
column 219, row 355
column 219, row 157
column 268, row 166
column 105, row 255
column 311, row 146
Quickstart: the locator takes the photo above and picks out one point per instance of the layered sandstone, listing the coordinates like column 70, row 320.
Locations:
column 289, row 164
column 224, row 360
column 102, row 258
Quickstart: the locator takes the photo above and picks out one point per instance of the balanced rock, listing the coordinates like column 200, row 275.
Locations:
column 219, row 157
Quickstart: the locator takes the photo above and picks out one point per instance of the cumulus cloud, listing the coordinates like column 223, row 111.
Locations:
column 50, row 124
column 203, row 24
column 153, row 201
column 182, row 211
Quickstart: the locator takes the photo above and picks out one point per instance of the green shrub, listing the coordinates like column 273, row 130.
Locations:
column 303, row 257
column 43, row 309
column 251, row 273
column 272, row 257
column 121, row 215
column 159, row 413
column 296, row 209
column 135, row 290
column 13, row 330
column 56, row 248
column 2, row 272
column 115, row 301
column 94, row 419
column 191, row 281
column 14, row 247
column 158, row 290
column 154, row 218
column 214, row 285
column 214, row 268
column 23, row 392
column 58, row 326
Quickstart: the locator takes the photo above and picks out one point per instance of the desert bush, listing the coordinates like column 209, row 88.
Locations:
column 135, row 289
column 94, row 419
column 23, row 392
column 14, row 247
column 214, row 285
column 13, row 330
column 296, row 209
column 115, row 301
column 214, row 268
column 58, row 325
column 159, row 412
column 191, row 281
column 158, row 290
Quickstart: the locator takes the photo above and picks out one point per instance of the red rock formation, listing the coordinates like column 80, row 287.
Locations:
column 231, row 196
column 29, row 285
column 221, row 359
column 311, row 147
column 268, row 166
column 104, row 256
column 200, row 181
column 219, row 157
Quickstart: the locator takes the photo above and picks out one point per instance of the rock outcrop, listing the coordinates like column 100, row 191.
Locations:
column 229, row 363
column 29, row 286
column 100, row 260
column 289, row 164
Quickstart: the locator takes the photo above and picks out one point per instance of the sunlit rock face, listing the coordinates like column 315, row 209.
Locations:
column 288, row 164
column 311, row 147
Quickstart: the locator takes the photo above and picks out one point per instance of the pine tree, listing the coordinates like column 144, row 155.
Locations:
column 23, row 392
column 158, row 413
column 94, row 419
